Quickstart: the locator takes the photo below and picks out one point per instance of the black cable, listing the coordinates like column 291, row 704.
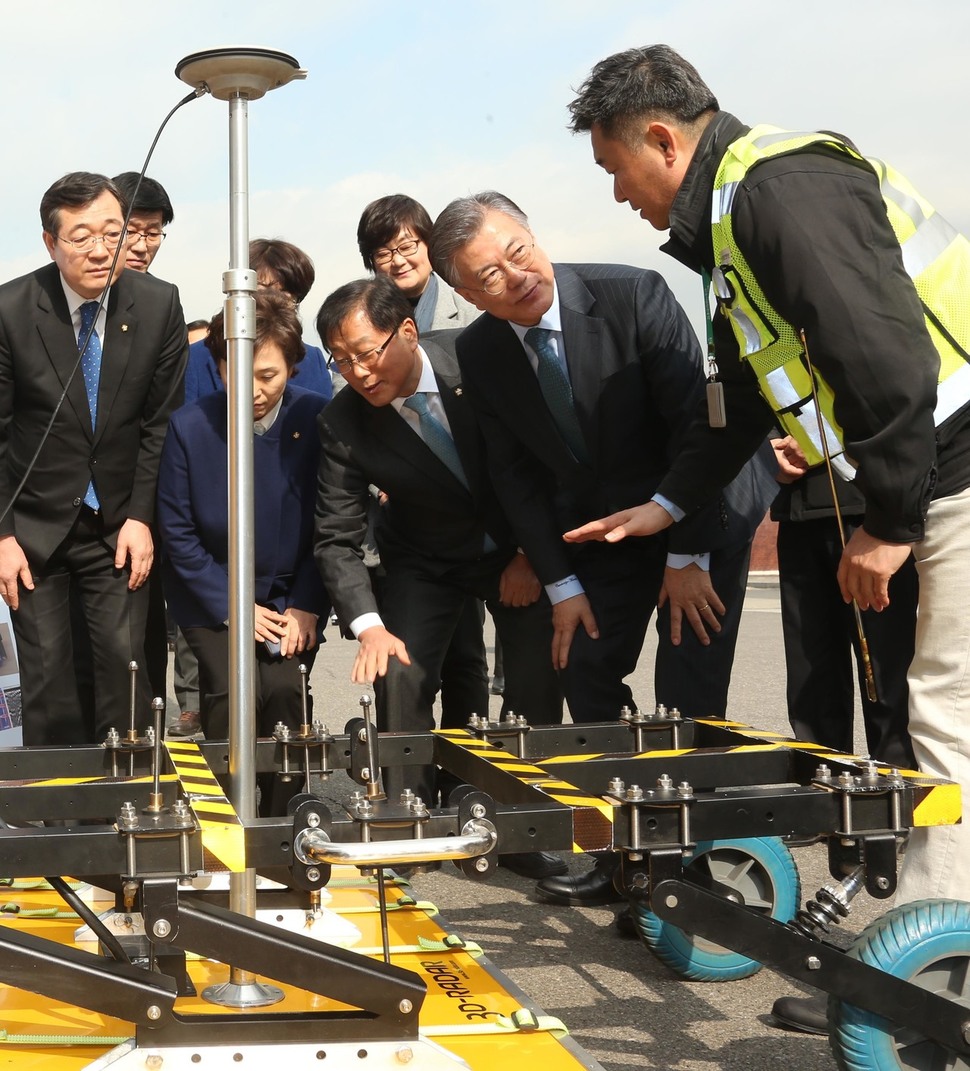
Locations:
column 101, row 300
column 104, row 935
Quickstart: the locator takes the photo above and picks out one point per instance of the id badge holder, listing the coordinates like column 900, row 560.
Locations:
column 716, row 412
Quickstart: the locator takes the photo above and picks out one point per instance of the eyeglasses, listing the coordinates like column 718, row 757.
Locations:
column 110, row 240
column 365, row 360
column 496, row 279
column 384, row 255
column 149, row 237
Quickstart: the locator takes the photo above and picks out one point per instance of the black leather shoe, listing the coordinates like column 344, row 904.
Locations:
column 807, row 1014
column 582, row 890
column 533, row 864
column 624, row 924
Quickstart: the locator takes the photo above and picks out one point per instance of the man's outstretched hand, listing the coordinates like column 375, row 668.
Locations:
column 644, row 520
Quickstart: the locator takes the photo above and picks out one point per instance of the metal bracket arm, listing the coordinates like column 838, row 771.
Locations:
column 776, row 945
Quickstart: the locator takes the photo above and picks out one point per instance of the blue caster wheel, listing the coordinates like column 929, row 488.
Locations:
column 760, row 872
column 928, row 943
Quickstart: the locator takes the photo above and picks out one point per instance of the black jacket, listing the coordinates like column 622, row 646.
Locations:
column 813, row 228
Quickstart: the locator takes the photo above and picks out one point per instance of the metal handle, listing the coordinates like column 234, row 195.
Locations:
column 478, row 837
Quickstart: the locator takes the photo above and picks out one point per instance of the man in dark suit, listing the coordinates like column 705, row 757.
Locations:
column 406, row 427
column 583, row 377
column 80, row 440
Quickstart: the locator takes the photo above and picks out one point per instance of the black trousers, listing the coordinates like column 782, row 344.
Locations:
column 423, row 607
column 821, row 638
column 278, row 684
column 115, row 620
column 622, row 582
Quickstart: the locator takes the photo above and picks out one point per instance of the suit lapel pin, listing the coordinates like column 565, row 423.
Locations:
column 296, row 435
column 457, row 392
column 124, row 327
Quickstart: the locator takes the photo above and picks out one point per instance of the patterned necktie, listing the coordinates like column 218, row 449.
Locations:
column 435, row 436
column 91, row 370
column 554, row 384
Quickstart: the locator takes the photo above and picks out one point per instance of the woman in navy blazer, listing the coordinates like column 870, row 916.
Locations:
column 291, row 604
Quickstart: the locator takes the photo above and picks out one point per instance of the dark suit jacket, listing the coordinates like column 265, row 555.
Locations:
column 429, row 515
column 144, row 349
column 193, row 510
column 637, row 376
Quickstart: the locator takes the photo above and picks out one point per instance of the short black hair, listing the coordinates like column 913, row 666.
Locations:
column 75, row 190
column 382, row 219
column 151, row 195
column 288, row 264
column 641, row 83
column 276, row 321
column 384, row 304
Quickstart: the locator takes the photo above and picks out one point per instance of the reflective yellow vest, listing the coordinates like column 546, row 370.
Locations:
column 936, row 257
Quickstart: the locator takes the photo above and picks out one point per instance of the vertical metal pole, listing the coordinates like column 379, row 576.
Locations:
column 239, row 283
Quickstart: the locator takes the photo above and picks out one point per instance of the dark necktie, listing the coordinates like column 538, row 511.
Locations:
column 554, row 384
column 436, row 436
column 91, row 370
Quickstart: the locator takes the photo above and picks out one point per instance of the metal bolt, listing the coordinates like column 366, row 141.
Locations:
column 675, row 714
column 405, row 1007
column 162, row 928
column 407, row 797
column 882, row 882
column 813, row 963
column 313, row 819
column 522, row 721
column 510, row 717
column 634, row 793
column 365, row 808
column 685, row 789
column 365, row 772
column 418, row 808
column 313, row 873
column 153, row 1062
column 671, row 901
column 150, row 734
column 481, row 865
column 625, row 713
column 965, row 1028
column 362, row 735
column 154, row 1012
column 661, row 711
column 113, row 737
column 478, row 810
column 404, row 1055
column 665, row 781
column 355, row 797
column 823, row 773
column 640, row 880
column 616, row 786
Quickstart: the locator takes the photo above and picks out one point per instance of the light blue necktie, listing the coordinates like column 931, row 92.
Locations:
column 91, row 370
column 436, row 436
column 554, row 384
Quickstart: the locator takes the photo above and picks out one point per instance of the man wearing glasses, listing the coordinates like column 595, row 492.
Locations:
column 583, row 377
column 151, row 213
column 406, row 427
column 78, row 472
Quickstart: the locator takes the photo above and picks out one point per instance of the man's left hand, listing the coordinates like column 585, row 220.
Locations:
column 866, row 567
column 518, row 585
column 135, row 544
column 691, row 595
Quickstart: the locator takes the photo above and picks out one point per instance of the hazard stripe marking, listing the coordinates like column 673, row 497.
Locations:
column 939, row 807
column 592, row 815
column 222, row 832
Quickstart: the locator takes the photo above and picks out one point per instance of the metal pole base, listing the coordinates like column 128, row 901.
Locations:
column 243, row 994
